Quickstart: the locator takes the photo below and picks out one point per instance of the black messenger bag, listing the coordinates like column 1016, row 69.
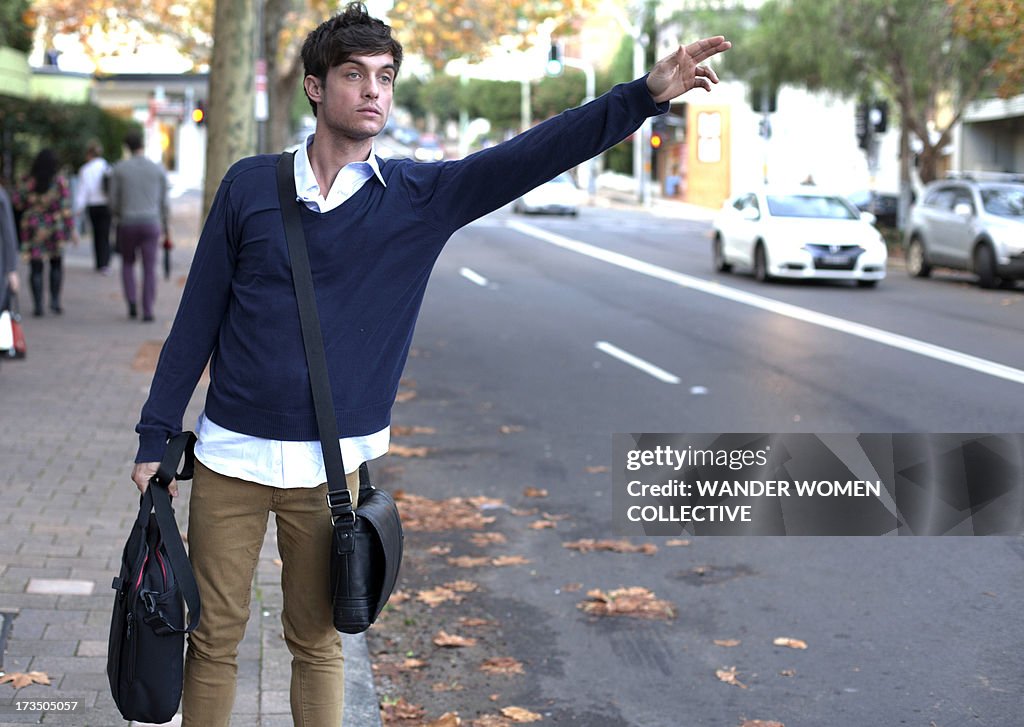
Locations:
column 148, row 626
column 368, row 541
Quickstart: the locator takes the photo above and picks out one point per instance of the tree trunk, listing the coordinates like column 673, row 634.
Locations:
column 231, row 126
column 282, row 89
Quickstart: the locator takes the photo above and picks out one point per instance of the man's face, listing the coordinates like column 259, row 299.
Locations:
column 356, row 99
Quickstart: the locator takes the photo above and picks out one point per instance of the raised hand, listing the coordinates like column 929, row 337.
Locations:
column 679, row 72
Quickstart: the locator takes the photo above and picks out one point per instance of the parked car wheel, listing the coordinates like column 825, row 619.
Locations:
column 985, row 266
column 917, row 260
column 761, row 264
column 718, row 256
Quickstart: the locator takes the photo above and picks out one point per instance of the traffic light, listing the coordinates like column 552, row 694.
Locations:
column 657, row 140
column 199, row 114
column 879, row 116
column 554, row 65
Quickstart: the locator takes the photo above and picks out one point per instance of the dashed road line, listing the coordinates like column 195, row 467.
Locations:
column 636, row 362
column 870, row 333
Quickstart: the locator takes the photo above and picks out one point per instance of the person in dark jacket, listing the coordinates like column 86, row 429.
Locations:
column 374, row 229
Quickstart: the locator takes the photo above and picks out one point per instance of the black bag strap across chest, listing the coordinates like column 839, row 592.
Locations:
column 339, row 499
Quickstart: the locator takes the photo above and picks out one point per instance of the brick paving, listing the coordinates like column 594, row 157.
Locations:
column 67, row 417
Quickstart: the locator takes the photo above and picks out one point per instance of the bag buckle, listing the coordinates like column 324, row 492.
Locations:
column 344, row 496
column 149, row 600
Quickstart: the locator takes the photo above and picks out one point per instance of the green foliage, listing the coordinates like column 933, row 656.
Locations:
column 553, row 95
column 15, row 30
column 440, row 96
column 497, row 101
column 28, row 125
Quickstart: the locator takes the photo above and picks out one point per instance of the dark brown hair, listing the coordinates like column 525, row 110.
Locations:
column 352, row 32
column 44, row 169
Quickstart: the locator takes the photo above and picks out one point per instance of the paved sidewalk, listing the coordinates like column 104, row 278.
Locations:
column 67, row 417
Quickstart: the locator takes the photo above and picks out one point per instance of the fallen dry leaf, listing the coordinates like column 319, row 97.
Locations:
column 535, row 492
column 588, row 545
column 490, row 720
column 572, row 587
column 19, row 679
column 469, row 561
column 426, row 515
column 448, row 719
column 510, row 428
column 635, row 602
column 487, row 503
column 542, row 525
column 436, row 596
column 524, row 511
column 484, row 539
column 504, row 560
column 411, row 663
column 727, row 643
column 403, row 396
column 399, row 451
column 502, row 665
column 406, row 431
column 791, row 643
column 399, row 711
column 787, row 673
column 553, row 517
column 728, row 676
column 462, row 586
column 446, row 687
column 476, row 622
column 398, row 597
column 453, row 641
column 761, row 723
column 278, row 562
column 677, row 543
column 520, row 715
column 439, row 549
column 597, row 469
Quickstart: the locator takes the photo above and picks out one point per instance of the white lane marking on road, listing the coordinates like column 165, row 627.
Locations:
column 636, row 362
column 895, row 340
column 473, row 277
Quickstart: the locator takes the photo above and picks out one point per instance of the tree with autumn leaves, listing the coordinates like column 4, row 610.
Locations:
column 929, row 58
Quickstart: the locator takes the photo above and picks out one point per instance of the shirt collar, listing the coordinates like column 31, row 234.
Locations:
column 308, row 188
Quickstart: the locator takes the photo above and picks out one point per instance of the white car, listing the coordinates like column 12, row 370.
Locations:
column 560, row 196
column 798, row 233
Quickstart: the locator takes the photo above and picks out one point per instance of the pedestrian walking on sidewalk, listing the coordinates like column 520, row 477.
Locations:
column 44, row 201
column 91, row 197
column 373, row 229
column 138, row 205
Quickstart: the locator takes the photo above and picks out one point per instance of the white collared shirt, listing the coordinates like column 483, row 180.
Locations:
column 275, row 462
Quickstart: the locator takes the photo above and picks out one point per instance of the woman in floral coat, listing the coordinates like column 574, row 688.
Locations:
column 47, row 223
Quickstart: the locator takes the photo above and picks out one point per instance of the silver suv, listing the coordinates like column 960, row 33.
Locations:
column 973, row 223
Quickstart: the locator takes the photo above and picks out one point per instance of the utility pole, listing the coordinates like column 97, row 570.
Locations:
column 641, row 145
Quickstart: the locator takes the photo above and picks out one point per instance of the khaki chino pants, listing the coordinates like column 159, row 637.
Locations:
column 227, row 523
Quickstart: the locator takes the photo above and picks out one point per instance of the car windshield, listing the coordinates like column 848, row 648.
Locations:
column 1003, row 201
column 810, row 205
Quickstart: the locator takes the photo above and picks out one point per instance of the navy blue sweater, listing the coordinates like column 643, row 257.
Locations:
column 371, row 258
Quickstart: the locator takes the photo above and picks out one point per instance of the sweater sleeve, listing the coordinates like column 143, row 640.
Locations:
column 194, row 332
column 469, row 188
